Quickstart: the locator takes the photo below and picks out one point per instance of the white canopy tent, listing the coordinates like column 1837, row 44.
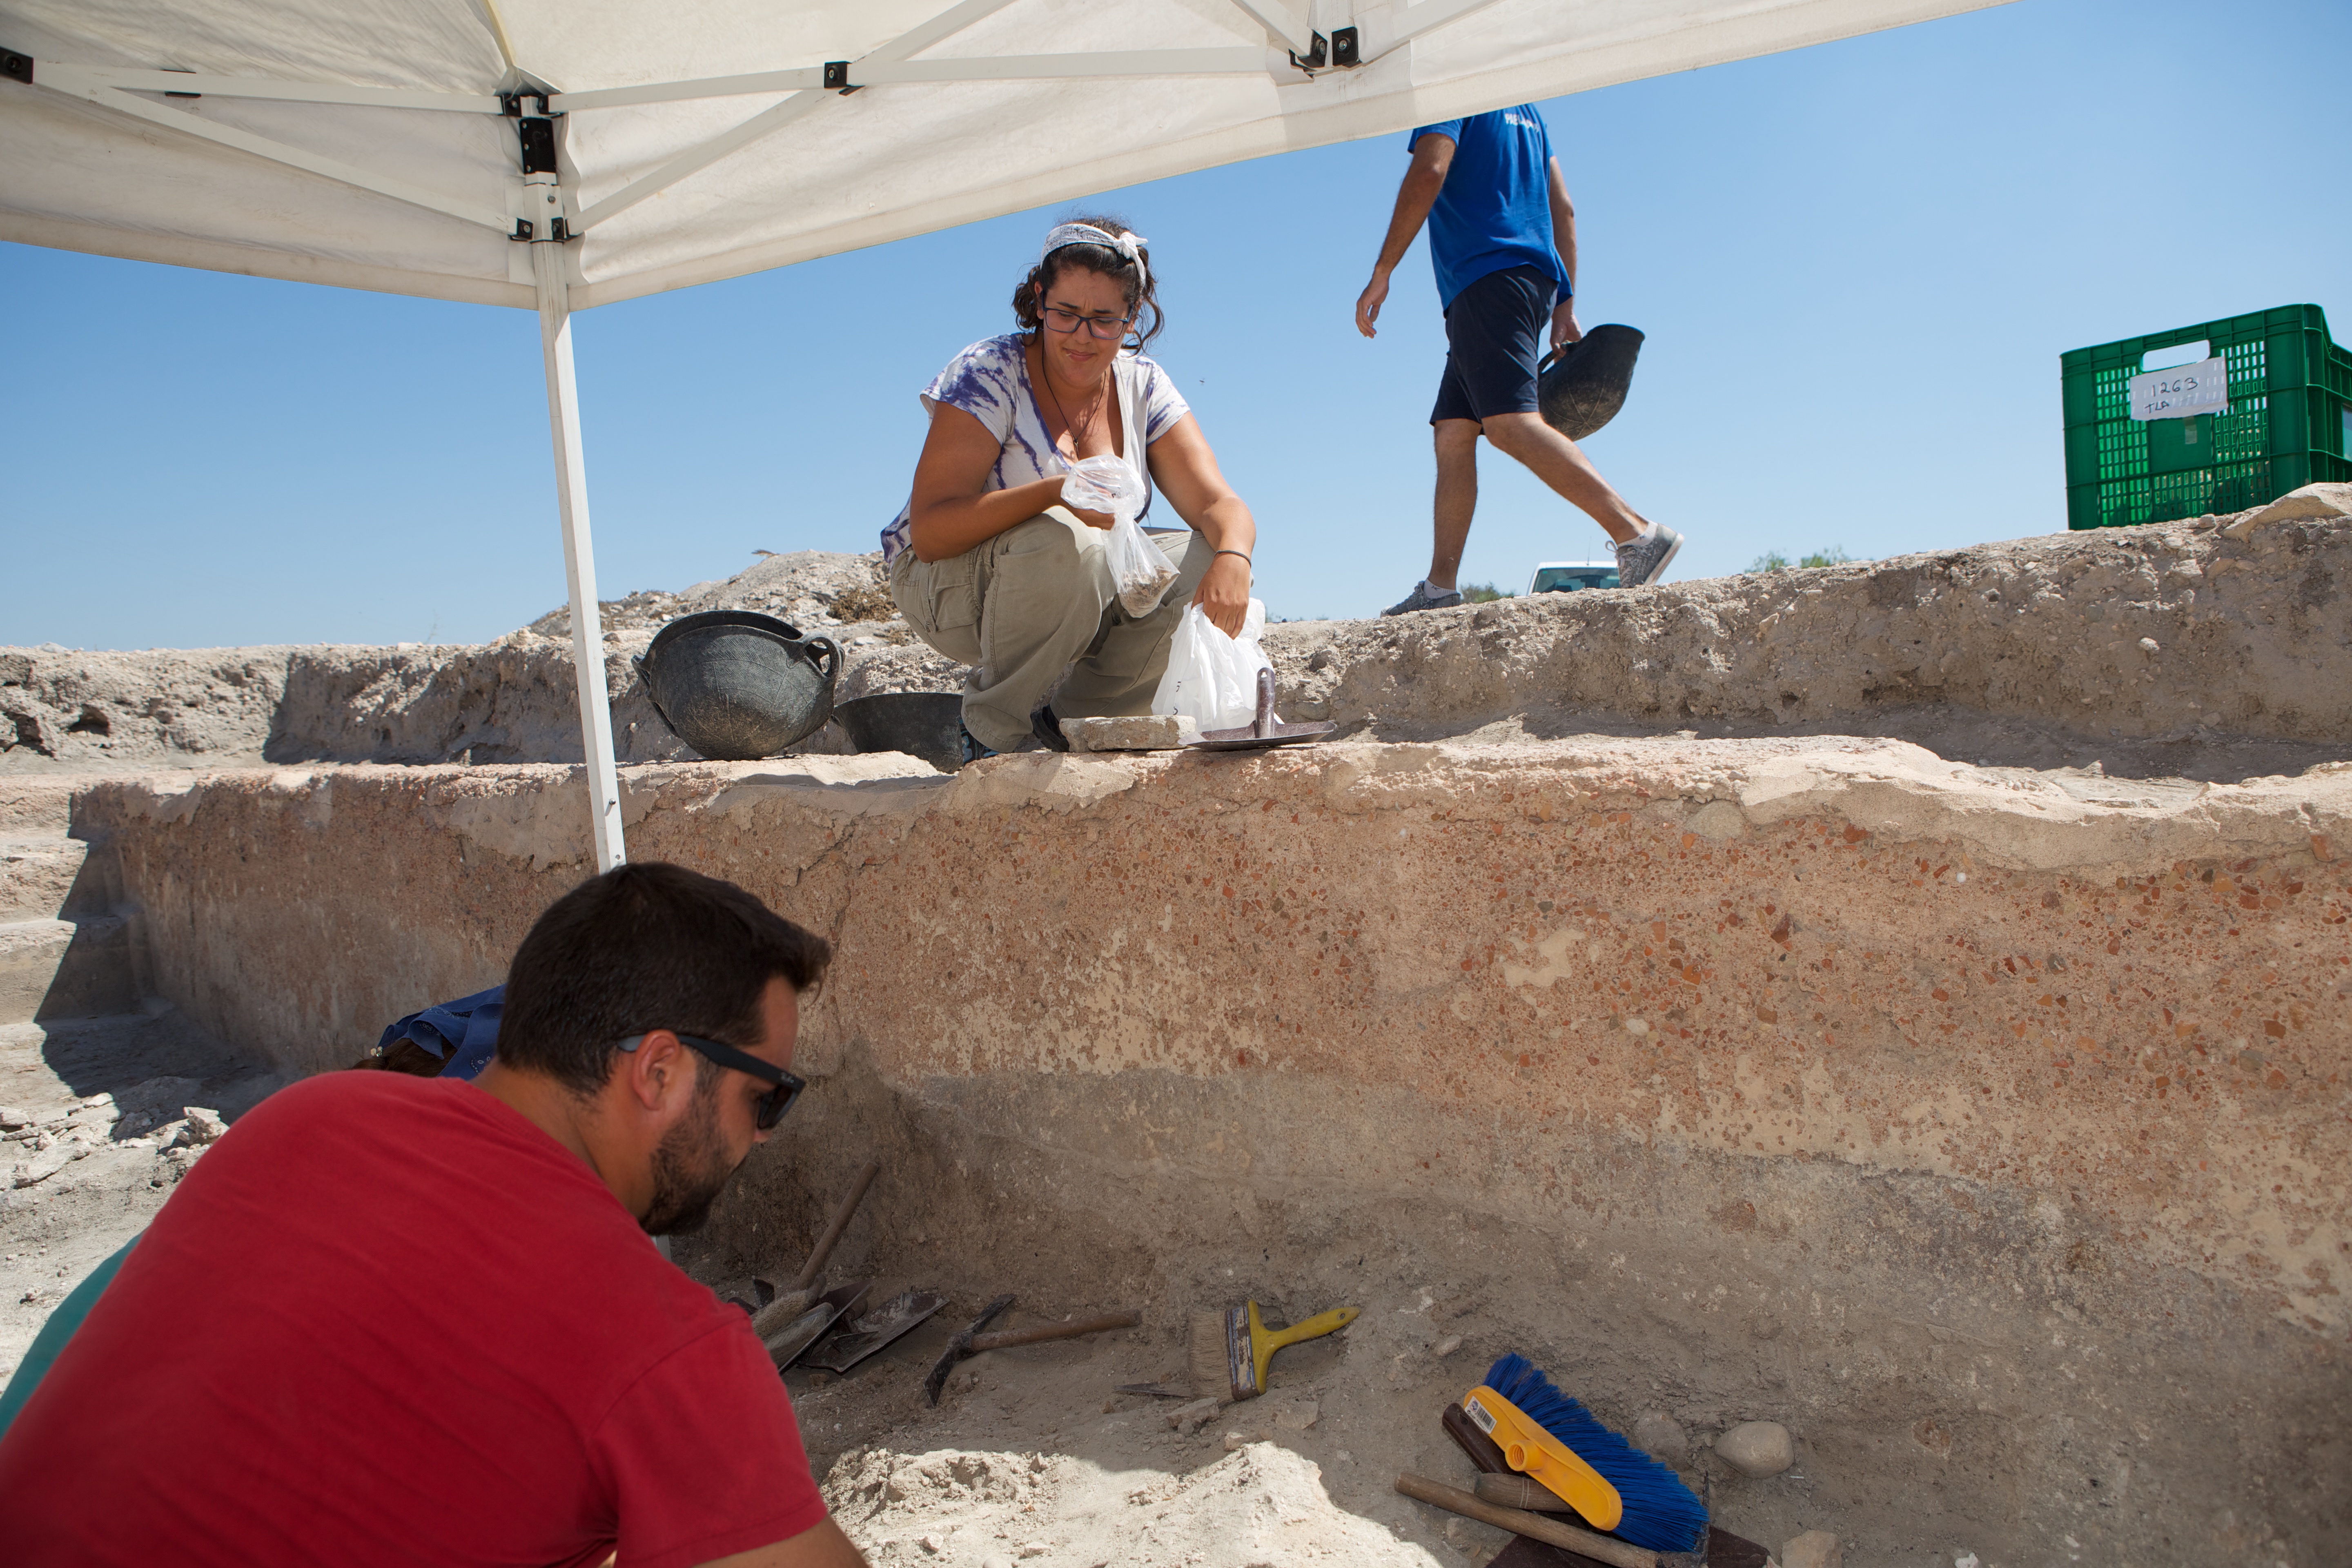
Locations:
column 560, row 155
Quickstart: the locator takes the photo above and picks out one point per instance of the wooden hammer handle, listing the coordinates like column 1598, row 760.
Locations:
column 825, row 1243
column 1600, row 1548
column 1069, row 1331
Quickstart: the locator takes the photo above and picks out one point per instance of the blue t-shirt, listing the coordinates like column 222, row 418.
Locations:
column 1495, row 208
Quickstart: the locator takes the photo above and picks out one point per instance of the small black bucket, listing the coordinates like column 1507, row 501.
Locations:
column 1582, row 386
column 926, row 724
column 737, row 685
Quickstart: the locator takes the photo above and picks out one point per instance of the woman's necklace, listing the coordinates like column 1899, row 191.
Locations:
column 1045, row 373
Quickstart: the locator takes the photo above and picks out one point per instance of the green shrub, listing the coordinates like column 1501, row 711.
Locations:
column 1835, row 555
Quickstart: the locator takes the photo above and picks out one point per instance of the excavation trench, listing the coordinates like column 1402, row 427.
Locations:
column 1984, row 1127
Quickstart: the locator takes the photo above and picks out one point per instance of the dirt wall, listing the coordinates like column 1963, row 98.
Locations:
column 1989, row 1127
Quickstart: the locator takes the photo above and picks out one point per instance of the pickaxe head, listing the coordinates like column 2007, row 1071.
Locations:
column 961, row 1347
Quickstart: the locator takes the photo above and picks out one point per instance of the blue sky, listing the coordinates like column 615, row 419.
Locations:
column 1857, row 265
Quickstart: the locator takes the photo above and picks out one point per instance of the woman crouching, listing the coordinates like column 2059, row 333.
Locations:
column 987, row 563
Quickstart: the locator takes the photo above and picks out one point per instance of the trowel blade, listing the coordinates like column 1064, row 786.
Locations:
column 806, row 1329
column 874, row 1331
column 1247, row 740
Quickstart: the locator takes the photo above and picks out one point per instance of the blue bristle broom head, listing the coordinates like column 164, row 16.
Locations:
column 1661, row 1513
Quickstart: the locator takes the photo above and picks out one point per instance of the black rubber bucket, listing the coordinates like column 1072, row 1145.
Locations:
column 1580, row 387
column 926, row 724
column 737, row 685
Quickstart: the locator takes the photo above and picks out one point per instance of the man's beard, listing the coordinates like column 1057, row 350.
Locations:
column 690, row 1171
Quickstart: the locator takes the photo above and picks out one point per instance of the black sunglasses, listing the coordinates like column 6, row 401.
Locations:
column 784, row 1087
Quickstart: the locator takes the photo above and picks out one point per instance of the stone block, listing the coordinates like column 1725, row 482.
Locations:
column 1140, row 732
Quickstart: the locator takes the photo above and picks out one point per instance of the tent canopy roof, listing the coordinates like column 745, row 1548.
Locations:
column 368, row 146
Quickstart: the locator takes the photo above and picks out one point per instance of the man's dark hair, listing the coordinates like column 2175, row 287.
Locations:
column 642, row 947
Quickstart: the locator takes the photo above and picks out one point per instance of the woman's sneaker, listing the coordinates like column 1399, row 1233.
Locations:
column 1643, row 559
column 1421, row 598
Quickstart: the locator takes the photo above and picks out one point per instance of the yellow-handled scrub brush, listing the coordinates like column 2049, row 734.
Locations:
column 1230, row 1349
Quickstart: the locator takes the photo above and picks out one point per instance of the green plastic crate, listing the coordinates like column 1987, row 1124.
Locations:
column 2289, row 423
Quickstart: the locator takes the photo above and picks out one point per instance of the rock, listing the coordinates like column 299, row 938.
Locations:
column 48, row 1162
column 1190, row 1418
column 1140, row 732
column 1658, row 1435
column 205, row 1126
column 1235, row 1441
column 11, row 1118
column 1814, row 1549
column 1298, row 1415
column 2311, row 503
column 1446, row 1346
column 1756, row 1449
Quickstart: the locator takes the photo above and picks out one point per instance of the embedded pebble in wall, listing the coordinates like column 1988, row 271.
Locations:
column 1756, row 1449
column 1659, row 1436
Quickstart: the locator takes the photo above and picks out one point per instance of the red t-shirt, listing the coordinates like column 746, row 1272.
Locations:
column 386, row 1320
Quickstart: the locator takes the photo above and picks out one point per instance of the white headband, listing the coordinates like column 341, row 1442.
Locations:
column 1128, row 245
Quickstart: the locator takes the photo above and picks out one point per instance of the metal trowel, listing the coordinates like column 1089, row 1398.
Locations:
column 876, row 1328
column 785, row 1346
column 1268, row 730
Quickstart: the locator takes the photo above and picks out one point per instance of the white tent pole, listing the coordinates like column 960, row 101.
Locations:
column 579, row 557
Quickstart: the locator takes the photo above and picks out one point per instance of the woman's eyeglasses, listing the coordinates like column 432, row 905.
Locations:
column 1107, row 327
column 783, row 1087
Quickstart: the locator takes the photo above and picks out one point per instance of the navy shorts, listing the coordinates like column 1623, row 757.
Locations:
column 1495, row 333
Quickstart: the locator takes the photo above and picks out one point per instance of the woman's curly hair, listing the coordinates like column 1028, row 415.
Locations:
column 1141, row 291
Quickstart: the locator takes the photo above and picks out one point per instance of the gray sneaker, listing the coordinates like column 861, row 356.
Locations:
column 1642, row 560
column 1421, row 598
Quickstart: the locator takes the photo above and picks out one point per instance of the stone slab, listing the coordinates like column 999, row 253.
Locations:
column 1140, row 733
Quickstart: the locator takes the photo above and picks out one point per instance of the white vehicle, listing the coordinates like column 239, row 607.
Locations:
column 1566, row 576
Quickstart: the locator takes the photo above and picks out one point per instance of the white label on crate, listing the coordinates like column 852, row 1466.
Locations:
column 2181, row 392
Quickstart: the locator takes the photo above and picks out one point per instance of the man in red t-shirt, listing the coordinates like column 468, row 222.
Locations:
column 390, row 1320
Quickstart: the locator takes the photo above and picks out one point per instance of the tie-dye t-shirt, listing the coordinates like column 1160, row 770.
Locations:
column 990, row 380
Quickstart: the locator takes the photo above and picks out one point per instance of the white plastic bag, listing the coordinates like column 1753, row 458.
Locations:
column 1140, row 572
column 1211, row 679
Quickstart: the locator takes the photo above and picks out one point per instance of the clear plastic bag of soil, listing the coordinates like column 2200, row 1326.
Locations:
column 1140, row 572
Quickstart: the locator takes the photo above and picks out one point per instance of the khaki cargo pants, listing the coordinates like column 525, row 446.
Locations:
column 1034, row 612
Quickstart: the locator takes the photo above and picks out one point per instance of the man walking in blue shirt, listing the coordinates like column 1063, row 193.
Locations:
column 1503, row 236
